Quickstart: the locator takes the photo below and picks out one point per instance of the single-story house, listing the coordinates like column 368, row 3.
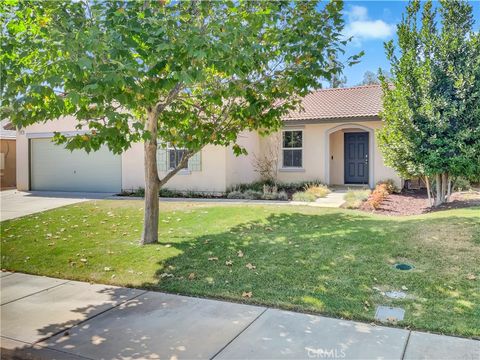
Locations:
column 331, row 139
column 8, row 160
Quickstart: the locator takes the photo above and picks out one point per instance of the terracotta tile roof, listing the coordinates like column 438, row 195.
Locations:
column 338, row 103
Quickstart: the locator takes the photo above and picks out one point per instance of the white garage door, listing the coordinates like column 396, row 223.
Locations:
column 54, row 168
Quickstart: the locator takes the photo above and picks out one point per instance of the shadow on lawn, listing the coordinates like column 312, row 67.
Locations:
column 324, row 263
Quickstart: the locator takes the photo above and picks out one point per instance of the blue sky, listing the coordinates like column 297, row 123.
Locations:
column 371, row 23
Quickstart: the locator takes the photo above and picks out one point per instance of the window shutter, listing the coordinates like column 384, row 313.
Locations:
column 161, row 159
column 195, row 162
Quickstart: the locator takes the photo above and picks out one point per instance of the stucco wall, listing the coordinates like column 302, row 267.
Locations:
column 336, row 158
column 211, row 177
column 221, row 168
column 315, row 156
column 240, row 169
column 8, row 173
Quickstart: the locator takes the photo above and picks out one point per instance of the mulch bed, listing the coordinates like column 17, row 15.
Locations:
column 415, row 202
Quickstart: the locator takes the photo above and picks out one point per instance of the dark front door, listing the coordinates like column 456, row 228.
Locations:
column 356, row 158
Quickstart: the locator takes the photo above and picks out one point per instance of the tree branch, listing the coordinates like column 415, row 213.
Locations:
column 181, row 165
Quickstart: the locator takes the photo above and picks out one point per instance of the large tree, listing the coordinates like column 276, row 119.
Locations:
column 186, row 73
column 370, row 78
column 432, row 102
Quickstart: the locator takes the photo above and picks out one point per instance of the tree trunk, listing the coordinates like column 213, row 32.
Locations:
column 152, row 183
column 449, row 192
column 427, row 183
column 444, row 187
column 438, row 189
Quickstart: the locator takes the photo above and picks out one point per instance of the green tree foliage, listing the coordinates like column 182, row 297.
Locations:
column 432, row 102
column 188, row 73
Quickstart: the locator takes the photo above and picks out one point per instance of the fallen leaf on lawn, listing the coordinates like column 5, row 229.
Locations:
column 250, row 266
column 229, row 262
column 471, row 277
column 213, row 258
column 83, row 260
column 113, row 276
column 165, row 275
column 246, row 294
column 240, row 253
column 168, row 245
column 191, row 276
column 404, row 288
column 51, row 244
column 106, row 268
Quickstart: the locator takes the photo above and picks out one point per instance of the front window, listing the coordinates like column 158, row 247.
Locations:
column 292, row 144
column 174, row 158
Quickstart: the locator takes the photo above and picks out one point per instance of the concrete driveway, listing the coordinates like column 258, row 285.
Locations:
column 47, row 318
column 16, row 203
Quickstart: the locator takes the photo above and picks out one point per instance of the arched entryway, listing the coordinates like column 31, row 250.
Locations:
column 349, row 155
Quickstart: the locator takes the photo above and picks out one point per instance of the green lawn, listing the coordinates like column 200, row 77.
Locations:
column 327, row 261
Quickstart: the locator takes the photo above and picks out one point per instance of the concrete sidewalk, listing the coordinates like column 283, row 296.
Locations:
column 46, row 318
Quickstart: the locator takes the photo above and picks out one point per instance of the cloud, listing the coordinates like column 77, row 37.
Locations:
column 361, row 27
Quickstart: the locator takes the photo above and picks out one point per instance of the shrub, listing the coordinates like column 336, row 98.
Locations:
column 389, row 185
column 236, row 195
column 252, row 195
column 355, row 198
column 461, row 184
column 164, row 192
column 378, row 195
column 257, row 186
column 296, row 186
column 269, row 193
column 319, row 191
column 289, row 188
column 139, row 192
column 304, row 196
column 270, row 196
column 282, row 195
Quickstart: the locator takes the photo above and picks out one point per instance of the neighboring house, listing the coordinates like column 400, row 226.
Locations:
column 8, row 151
column 331, row 139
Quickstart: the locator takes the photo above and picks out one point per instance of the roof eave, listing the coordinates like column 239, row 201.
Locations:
column 307, row 121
